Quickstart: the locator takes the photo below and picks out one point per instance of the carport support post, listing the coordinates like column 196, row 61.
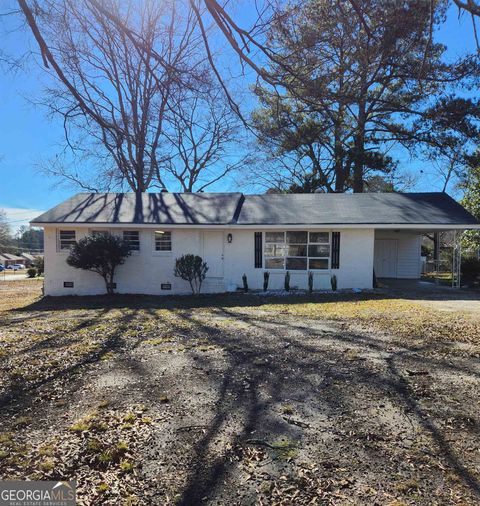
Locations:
column 436, row 254
column 457, row 260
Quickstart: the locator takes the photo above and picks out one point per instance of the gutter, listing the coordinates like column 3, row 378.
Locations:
column 266, row 226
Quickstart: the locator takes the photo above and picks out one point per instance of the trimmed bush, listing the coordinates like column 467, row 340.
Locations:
column 39, row 264
column 32, row 272
column 100, row 253
column 245, row 283
column 266, row 277
column 310, row 281
column 193, row 269
column 333, row 282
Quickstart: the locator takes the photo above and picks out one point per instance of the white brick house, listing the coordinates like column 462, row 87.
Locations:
column 348, row 235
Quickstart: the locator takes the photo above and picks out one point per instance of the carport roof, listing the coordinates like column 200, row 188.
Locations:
column 402, row 209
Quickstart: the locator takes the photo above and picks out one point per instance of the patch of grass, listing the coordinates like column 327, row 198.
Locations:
column 351, row 355
column 94, row 445
column 287, row 409
column 46, row 450
column 129, row 417
column 408, row 486
column 17, row 375
column 106, row 457
column 131, row 500
column 103, row 487
column 80, row 427
column 6, row 438
column 395, row 316
column 122, row 446
column 285, row 449
column 127, row 466
column 47, row 465
column 99, row 426
column 4, row 454
column 22, row 421
column 159, row 340
column 107, row 356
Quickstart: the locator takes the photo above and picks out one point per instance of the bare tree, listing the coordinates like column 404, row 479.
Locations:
column 112, row 95
column 6, row 239
column 204, row 141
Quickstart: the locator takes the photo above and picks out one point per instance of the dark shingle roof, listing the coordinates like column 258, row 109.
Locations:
column 269, row 209
column 356, row 208
column 148, row 208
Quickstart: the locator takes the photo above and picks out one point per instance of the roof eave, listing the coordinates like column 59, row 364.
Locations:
column 413, row 226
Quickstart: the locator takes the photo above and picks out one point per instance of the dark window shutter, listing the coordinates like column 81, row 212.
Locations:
column 258, row 250
column 335, row 250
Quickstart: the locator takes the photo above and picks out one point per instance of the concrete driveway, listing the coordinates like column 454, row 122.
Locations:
column 441, row 298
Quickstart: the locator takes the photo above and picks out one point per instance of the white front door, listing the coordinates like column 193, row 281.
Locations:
column 385, row 258
column 213, row 253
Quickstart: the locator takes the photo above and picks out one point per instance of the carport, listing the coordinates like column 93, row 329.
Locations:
column 398, row 253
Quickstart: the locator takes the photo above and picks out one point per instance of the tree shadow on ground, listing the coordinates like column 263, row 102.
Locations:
column 335, row 376
column 235, row 299
column 339, row 391
column 22, row 392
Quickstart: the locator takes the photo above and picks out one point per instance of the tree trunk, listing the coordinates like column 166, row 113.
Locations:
column 358, row 166
column 340, row 179
column 109, row 282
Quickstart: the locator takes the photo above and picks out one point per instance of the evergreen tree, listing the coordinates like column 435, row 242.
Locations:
column 348, row 89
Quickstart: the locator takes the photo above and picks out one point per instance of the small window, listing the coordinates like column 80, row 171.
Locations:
column 275, row 237
column 319, row 237
column 318, row 263
column 297, row 250
column 296, row 264
column 132, row 237
column 274, row 263
column 275, row 250
column 318, row 250
column 297, row 237
column 66, row 239
column 163, row 241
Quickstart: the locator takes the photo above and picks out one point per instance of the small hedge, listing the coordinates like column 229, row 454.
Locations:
column 32, row 272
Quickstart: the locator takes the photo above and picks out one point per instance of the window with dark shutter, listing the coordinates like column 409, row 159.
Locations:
column 258, row 250
column 335, row 250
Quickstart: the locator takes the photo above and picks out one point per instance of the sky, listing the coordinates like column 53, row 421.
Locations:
column 29, row 138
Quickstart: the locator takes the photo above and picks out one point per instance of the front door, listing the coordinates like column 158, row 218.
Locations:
column 213, row 253
column 385, row 258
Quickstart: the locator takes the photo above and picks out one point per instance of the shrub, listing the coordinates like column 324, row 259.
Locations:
column 470, row 270
column 100, row 253
column 333, row 282
column 245, row 283
column 287, row 281
column 193, row 269
column 266, row 277
column 310, row 281
column 39, row 264
column 32, row 272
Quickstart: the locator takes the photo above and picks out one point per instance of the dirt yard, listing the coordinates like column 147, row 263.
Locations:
column 369, row 399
